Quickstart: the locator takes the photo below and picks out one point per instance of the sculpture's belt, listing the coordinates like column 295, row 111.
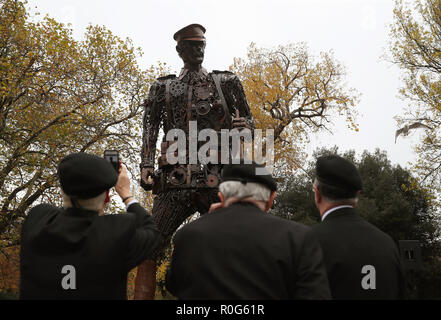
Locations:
column 189, row 176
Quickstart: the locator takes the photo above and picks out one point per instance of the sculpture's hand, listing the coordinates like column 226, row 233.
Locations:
column 240, row 123
column 147, row 178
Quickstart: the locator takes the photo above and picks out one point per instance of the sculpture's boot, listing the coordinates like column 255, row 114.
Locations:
column 145, row 282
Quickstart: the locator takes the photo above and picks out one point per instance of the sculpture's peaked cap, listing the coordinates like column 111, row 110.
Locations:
column 191, row 32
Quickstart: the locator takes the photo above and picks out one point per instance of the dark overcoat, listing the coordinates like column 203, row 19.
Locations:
column 351, row 247
column 77, row 254
column 241, row 252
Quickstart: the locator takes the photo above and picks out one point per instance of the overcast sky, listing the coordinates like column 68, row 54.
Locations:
column 356, row 30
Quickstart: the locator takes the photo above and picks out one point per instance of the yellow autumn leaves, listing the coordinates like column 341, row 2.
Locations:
column 415, row 47
column 294, row 93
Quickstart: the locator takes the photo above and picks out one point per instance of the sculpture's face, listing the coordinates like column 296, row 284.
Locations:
column 192, row 52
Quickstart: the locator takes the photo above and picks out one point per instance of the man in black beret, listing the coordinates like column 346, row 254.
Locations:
column 362, row 262
column 240, row 251
column 77, row 252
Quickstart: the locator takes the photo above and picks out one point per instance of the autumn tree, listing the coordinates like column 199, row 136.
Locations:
column 9, row 273
column 294, row 93
column 416, row 48
column 58, row 96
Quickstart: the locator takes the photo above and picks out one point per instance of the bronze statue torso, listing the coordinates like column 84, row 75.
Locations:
column 194, row 97
column 210, row 99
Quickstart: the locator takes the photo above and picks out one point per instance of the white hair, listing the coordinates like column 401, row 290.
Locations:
column 352, row 201
column 237, row 189
column 93, row 204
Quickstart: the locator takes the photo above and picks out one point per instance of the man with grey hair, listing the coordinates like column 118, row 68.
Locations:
column 362, row 262
column 77, row 252
column 240, row 251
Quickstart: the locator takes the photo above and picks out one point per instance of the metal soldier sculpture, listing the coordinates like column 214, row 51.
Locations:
column 211, row 99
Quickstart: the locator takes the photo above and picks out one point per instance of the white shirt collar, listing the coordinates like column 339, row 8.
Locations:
column 334, row 209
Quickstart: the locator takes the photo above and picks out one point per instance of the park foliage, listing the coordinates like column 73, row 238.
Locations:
column 295, row 93
column 415, row 46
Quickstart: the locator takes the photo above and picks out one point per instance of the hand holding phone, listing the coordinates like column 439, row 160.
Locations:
column 113, row 157
column 122, row 186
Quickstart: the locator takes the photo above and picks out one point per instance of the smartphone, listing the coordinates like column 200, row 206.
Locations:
column 113, row 157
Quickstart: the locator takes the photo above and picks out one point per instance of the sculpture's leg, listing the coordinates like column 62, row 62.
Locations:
column 170, row 209
column 145, row 282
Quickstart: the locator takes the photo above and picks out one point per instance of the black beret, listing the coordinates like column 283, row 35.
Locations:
column 248, row 173
column 338, row 172
column 86, row 176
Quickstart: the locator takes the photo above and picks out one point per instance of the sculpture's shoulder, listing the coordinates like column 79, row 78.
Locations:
column 228, row 78
column 157, row 88
column 170, row 76
column 226, row 75
column 162, row 80
column 222, row 72
column 159, row 85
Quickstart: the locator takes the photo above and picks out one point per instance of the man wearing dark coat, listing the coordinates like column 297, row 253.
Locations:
column 362, row 262
column 240, row 251
column 76, row 252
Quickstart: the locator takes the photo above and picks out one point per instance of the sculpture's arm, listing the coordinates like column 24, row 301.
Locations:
column 153, row 116
column 237, row 101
